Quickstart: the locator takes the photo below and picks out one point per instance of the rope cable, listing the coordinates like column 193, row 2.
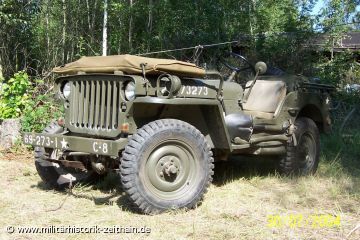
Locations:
column 187, row 48
column 259, row 36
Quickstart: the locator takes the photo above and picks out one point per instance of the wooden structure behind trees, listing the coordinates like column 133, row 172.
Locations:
column 349, row 41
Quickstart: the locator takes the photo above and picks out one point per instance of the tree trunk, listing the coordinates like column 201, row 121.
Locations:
column 252, row 18
column 130, row 25
column 1, row 72
column 149, row 24
column 47, row 30
column 104, row 41
column 120, row 36
column 332, row 48
column 92, row 30
column 150, row 17
column 64, row 57
column 88, row 15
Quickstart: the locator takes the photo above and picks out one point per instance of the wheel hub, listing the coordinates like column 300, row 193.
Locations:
column 307, row 150
column 170, row 168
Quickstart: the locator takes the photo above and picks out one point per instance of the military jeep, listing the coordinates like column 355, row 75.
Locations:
column 162, row 123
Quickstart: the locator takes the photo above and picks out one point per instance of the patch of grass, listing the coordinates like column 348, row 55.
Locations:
column 27, row 172
column 339, row 154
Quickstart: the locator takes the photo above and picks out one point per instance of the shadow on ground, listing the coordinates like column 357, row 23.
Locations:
column 244, row 167
column 111, row 192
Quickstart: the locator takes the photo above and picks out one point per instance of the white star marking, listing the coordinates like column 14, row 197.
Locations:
column 64, row 144
column 327, row 100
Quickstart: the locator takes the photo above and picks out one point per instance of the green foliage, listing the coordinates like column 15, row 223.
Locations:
column 14, row 95
column 39, row 112
column 336, row 13
column 340, row 71
column 35, row 107
column 53, row 33
column 16, row 40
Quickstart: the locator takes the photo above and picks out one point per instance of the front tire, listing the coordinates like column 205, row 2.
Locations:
column 302, row 159
column 167, row 164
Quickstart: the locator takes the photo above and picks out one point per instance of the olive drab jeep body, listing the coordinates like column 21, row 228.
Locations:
column 162, row 124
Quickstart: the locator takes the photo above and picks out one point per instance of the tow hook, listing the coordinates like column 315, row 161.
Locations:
column 98, row 167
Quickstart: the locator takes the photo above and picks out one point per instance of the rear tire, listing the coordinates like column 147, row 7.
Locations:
column 302, row 159
column 167, row 164
column 55, row 175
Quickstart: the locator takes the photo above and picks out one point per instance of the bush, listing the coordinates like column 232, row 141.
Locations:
column 18, row 98
column 14, row 95
column 39, row 112
column 341, row 70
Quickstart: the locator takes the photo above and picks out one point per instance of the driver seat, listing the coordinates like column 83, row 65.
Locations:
column 265, row 98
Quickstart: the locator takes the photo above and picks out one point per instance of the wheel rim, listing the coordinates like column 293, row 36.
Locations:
column 170, row 170
column 307, row 151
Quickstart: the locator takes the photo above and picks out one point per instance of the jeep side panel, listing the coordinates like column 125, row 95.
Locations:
column 205, row 115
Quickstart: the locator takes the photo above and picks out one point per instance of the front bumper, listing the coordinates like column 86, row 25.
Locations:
column 76, row 144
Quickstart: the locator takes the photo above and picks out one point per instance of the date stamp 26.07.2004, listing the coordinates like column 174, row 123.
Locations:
column 301, row 220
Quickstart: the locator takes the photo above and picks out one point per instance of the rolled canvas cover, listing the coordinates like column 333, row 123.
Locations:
column 130, row 64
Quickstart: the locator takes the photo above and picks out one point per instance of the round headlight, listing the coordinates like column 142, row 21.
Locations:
column 66, row 90
column 168, row 85
column 130, row 91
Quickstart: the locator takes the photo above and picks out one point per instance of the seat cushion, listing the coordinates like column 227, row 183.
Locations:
column 262, row 115
column 265, row 96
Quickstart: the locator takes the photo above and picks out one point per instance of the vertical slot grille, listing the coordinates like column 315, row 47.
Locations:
column 95, row 104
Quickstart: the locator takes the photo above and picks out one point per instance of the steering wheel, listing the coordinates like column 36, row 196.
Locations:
column 236, row 69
